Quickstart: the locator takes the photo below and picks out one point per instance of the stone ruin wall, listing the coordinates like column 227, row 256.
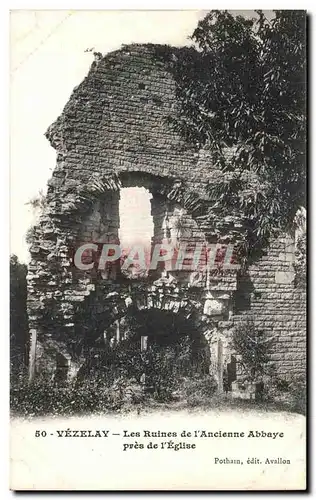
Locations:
column 115, row 122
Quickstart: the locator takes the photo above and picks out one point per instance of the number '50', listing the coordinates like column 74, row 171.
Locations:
column 40, row 434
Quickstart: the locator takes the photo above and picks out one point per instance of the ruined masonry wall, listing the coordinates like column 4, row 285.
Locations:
column 268, row 294
column 116, row 122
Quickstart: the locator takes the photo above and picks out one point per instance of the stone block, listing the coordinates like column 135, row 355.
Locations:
column 284, row 277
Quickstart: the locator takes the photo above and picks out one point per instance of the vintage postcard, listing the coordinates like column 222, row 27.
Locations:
column 158, row 250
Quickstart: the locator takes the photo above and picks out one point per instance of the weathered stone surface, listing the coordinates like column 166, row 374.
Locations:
column 284, row 277
column 115, row 129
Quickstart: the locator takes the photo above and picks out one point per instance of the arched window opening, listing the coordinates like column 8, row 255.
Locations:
column 136, row 231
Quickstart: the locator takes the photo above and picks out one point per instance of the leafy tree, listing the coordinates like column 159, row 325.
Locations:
column 242, row 96
column 18, row 313
column 254, row 348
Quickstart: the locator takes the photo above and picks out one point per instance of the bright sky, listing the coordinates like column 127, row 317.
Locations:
column 48, row 60
column 136, row 223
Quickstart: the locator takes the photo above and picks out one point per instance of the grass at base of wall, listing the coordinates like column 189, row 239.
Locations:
column 95, row 396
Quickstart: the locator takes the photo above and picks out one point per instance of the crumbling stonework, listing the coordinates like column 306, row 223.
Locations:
column 114, row 133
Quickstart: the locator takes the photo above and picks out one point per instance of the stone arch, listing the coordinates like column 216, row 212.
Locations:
column 161, row 298
column 164, row 294
column 167, row 200
column 106, row 205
